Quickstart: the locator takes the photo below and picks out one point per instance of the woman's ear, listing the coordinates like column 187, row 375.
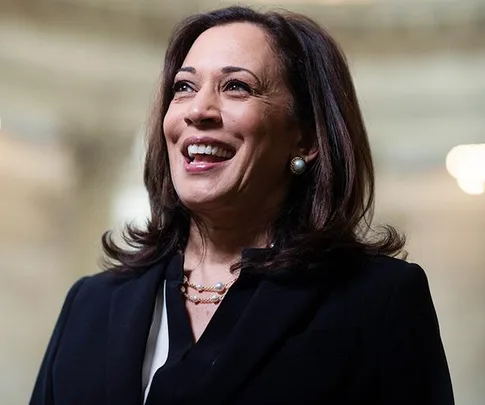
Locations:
column 309, row 154
column 307, row 148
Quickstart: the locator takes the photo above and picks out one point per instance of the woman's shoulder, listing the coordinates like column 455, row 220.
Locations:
column 381, row 278
column 386, row 269
column 379, row 289
column 103, row 280
column 93, row 288
column 98, row 287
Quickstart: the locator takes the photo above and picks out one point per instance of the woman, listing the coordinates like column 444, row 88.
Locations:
column 254, row 281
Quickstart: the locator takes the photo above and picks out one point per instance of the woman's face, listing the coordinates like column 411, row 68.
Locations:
column 229, row 130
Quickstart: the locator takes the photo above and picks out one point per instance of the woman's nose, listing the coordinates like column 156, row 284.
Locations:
column 203, row 110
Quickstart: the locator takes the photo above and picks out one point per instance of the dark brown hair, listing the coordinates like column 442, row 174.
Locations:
column 330, row 207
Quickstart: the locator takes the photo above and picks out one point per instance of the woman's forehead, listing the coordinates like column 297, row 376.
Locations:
column 238, row 44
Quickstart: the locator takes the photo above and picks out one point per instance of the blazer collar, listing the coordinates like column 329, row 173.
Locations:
column 278, row 304
column 131, row 311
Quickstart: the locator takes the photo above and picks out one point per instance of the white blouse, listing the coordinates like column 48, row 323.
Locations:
column 157, row 344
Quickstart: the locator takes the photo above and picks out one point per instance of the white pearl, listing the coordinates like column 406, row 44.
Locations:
column 199, row 288
column 298, row 165
column 215, row 298
column 195, row 299
column 219, row 287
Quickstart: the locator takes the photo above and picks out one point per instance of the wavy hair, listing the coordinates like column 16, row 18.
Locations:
column 328, row 208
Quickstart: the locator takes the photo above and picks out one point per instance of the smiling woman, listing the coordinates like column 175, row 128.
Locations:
column 258, row 279
column 219, row 100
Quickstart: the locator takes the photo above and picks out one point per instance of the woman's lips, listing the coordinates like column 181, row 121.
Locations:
column 201, row 157
column 200, row 166
column 208, row 159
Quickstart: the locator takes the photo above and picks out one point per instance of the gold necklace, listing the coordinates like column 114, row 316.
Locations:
column 220, row 290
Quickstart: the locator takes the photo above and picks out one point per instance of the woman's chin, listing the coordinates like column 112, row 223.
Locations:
column 201, row 201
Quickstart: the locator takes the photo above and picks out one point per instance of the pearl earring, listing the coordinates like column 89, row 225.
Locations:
column 298, row 165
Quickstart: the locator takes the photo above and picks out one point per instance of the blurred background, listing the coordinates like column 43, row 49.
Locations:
column 76, row 81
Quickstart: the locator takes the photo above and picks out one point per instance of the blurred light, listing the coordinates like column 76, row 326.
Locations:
column 471, row 186
column 466, row 163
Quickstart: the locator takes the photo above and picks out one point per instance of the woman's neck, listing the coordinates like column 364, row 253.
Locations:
column 218, row 234
column 212, row 248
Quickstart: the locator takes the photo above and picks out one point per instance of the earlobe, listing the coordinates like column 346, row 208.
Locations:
column 304, row 156
column 307, row 148
column 311, row 154
column 308, row 154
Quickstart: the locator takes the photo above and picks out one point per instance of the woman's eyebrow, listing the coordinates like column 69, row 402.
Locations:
column 189, row 69
column 233, row 69
column 225, row 70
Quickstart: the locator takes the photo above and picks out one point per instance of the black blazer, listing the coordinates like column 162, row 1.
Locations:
column 365, row 334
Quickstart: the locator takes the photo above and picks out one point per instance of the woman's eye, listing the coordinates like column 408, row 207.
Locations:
column 236, row 85
column 182, row 87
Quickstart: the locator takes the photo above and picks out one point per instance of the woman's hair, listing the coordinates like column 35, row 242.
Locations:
column 328, row 208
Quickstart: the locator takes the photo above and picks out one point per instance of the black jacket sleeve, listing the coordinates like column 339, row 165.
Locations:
column 413, row 366
column 42, row 394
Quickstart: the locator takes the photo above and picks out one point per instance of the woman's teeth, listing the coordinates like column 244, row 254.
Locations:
column 200, row 149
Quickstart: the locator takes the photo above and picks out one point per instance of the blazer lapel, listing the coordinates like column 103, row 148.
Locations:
column 275, row 307
column 131, row 312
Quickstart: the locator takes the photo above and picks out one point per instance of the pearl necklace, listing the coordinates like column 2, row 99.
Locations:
column 220, row 290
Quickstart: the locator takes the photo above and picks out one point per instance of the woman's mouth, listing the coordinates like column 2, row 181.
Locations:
column 204, row 153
